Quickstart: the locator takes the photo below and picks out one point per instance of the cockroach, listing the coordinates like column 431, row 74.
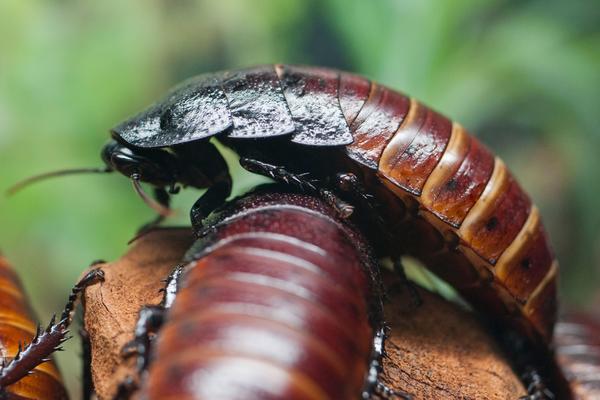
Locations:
column 26, row 371
column 425, row 184
column 577, row 346
column 280, row 300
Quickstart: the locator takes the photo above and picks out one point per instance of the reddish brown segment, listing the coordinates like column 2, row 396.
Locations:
column 577, row 344
column 378, row 119
column 492, row 251
column 276, row 307
column 18, row 327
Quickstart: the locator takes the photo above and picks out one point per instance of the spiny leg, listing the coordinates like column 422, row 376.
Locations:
column 46, row 341
column 281, row 174
column 373, row 385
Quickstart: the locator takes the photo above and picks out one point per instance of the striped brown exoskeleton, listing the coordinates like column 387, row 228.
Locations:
column 26, row 371
column 432, row 189
column 577, row 346
column 279, row 300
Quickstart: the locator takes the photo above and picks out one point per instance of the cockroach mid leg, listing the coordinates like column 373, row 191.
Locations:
column 373, row 385
column 300, row 181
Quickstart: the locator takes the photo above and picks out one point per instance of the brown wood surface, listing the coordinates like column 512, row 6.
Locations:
column 437, row 351
column 440, row 351
column 111, row 308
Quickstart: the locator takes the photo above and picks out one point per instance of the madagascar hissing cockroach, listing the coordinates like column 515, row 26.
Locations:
column 279, row 300
column 26, row 371
column 429, row 187
column 577, row 347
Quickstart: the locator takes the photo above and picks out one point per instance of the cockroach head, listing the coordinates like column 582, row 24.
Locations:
column 158, row 167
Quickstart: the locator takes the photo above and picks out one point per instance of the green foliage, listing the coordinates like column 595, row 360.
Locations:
column 524, row 75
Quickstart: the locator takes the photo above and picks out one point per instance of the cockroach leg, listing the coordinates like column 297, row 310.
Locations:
column 281, row 174
column 149, row 321
column 536, row 388
column 214, row 197
column 415, row 297
column 171, row 286
column 93, row 276
column 524, row 361
column 46, row 341
column 125, row 389
column 374, row 386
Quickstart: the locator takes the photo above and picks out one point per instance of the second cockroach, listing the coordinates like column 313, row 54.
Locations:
column 279, row 300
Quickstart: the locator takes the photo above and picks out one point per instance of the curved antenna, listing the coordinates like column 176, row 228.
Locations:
column 36, row 178
column 150, row 202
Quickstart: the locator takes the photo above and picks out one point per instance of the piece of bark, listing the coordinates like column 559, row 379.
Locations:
column 111, row 308
column 440, row 351
column 437, row 351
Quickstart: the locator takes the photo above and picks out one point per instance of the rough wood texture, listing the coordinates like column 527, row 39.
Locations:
column 111, row 308
column 437, row 351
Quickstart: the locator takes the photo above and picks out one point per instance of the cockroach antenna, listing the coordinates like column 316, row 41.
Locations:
column 47, row 175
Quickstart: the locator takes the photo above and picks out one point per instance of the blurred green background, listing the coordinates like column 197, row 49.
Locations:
column 523, row 75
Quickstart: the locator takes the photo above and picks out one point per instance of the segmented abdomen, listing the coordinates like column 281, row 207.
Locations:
column 486, row 226
column 275, row 307
column 577, row 344
column 18, row 327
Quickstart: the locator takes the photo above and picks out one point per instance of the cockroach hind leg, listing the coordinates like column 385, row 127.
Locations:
column 301, row 181
column 44, row 343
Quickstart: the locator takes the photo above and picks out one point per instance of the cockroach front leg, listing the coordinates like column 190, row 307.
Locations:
column 280, row 174
column 213, row 198
column 374, row 386
column 46, row 341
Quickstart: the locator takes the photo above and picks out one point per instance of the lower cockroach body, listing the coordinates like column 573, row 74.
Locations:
column 17, row 329
column 441, row 194
column 577, row 347
column 279, row 301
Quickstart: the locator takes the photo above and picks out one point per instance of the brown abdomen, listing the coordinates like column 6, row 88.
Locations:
column 18, row 327
column 276, row 308
column 577, row 344
column 470, row 212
